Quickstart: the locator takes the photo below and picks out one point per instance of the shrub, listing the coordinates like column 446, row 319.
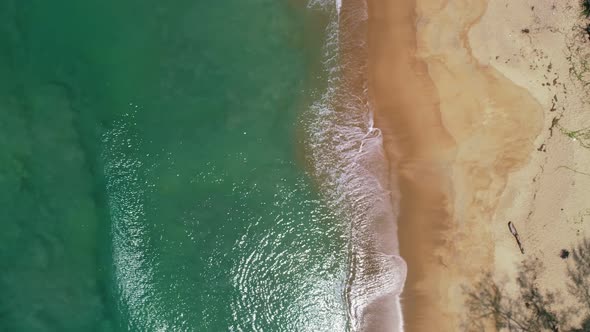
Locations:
column 532, row 309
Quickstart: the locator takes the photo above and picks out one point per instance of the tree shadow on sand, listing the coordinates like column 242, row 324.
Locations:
column 531, row 308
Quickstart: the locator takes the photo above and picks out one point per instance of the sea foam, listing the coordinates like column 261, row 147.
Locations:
column 348, row 160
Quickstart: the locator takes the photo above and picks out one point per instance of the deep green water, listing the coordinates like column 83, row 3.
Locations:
column 151, row 170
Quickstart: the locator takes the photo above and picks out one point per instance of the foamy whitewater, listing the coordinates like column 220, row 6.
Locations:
column 349, row 164
column 349, row 161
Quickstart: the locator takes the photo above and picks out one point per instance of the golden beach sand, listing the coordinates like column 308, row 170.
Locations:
column 474, row 99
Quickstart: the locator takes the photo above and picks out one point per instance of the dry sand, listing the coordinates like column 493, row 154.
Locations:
column 473, row 98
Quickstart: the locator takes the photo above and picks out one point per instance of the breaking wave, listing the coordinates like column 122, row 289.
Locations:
column 347, row 158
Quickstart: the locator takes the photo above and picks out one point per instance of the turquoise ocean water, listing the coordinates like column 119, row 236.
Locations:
column 153, row 172
column 186, row 166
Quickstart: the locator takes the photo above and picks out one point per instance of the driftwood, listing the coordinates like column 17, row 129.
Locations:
column 515, row 233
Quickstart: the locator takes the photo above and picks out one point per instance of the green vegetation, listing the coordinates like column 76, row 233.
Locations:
column 579, row 273
column 531, row 308
column 580, row 67
column 578, row 52
column 582, row 135
column 586, row 8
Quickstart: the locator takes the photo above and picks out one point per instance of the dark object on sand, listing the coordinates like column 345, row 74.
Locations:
column 525, row 30
column 515, row 233
column 564, row 254
column 586, row 8
column 587, row 29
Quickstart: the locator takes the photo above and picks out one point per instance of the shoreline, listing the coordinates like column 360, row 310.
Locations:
column 472, row 100
column 405, row 105
column 470, row 116
column 346, row 156
column 377, row 271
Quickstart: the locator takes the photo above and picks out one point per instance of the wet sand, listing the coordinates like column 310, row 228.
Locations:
column 454, row 130
column 473, row 99
column 378, row 272
column 406, row 106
